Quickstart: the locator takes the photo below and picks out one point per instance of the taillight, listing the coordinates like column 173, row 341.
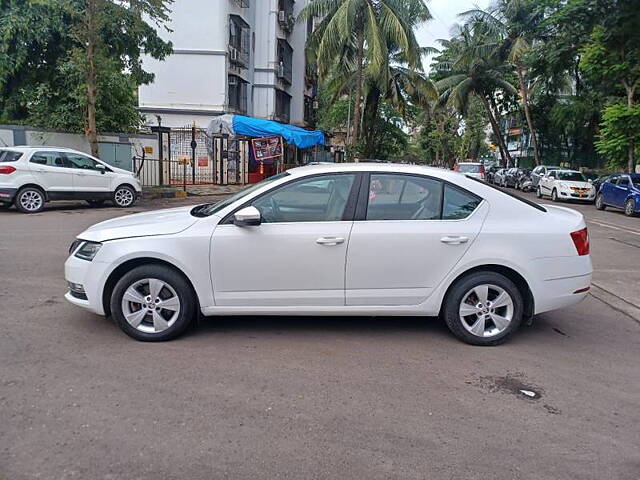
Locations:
column 482, row 170
column 456, row 167
column 6, row 170
column 581, row 241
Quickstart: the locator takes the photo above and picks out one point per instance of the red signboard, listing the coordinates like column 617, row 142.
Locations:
column 203, row 161
column 267, row 147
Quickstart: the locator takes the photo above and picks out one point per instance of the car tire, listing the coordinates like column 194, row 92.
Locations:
column 539, row 192
column 478, row 327
column 124, row 196
column 554, row 195
column 30, row 200
column 147, row 320
column 630, row 207
column 600, row 202
column 95, row 203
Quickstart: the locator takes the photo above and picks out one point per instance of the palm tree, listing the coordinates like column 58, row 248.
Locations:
column 512, row 25
column 355, row 34
column 470, row 75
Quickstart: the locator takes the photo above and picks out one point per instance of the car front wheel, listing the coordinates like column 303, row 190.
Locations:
column 630, row 208
column 153, row 303
column 554, row 195
column 30, row 200
column 538, row 192
column 600, row 202
column 124, row 196
column 483, row 308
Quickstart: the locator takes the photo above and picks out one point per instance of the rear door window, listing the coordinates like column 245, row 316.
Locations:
column 9, row 156
column 458, row 203
column 403, row 197
column 49, row 159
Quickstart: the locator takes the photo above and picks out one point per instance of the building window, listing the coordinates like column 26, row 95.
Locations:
column 285, row 60
column 285, row 15
column 237, row 94
column 309, row 112
column 283, row 106
column 239, row 41
column 242, row 3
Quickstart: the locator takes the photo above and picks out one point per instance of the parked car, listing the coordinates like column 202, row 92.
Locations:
column 499, row 177
column 32, row 176
column 343, row 239
column 620, row 191
column 512, row 176
column 490, row 172
column 472, row 169
column 597, row 183
column 541, row 171
column 566, row 185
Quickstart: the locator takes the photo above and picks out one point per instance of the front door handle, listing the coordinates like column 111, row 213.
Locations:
column 452, row 240
column 330, row 240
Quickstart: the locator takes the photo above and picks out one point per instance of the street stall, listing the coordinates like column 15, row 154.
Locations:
column 274, row 146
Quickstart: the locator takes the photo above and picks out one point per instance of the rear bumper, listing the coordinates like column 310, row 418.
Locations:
column 564, row 281
column 7, row 194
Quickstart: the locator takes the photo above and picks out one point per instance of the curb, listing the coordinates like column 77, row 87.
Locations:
column 616, row 302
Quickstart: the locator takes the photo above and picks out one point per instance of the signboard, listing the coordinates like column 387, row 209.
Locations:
column 267, row 147
column 203, row 161
column 148, row 150
column 183, row 159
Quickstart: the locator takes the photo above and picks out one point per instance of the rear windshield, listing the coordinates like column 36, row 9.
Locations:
column 9, row 156
column 571, row 176
column 468, row 168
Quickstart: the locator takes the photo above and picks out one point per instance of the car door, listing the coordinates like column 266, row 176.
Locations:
column 410, row 231
column 535, row 176
column 88, row 179
column 546, row 181
column 296, row 256
column 620, row 191
column 49, row 168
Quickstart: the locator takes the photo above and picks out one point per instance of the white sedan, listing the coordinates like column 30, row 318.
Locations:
column 566, row 185
column 345, row 239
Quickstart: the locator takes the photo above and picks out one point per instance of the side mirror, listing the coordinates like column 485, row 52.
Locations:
column 247, row 216
column 101, row 168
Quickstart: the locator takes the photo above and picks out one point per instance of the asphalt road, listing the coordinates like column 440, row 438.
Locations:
column 311, row 398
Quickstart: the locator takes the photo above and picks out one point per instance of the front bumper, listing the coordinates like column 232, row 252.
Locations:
column 568, row 194
column 8, row 194
column 92, row 276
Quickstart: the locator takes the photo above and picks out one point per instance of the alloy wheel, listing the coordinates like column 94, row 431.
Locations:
column 150, row 305
column 629, row 208
column 486, row 310
column 31, row 200
column 124, row 197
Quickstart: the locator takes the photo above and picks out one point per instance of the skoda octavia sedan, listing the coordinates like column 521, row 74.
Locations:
column 345, row 239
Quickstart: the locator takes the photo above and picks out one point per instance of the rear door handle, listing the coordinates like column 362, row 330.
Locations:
column 330, row 240
column 452, row 240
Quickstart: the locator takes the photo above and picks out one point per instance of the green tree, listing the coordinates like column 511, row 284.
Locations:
column 613, row 54
column 355, row 34
column 620, row 131
column 80, row 60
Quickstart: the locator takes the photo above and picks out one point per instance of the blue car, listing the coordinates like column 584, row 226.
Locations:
column 620, row 191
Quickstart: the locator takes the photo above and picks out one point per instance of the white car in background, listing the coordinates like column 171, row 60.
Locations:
column 566, row 185
column 343, row 239
column 32, row 176
column 471, row 169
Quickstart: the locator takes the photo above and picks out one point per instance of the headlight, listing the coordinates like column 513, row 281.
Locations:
column 75, row 244
column 88, row 250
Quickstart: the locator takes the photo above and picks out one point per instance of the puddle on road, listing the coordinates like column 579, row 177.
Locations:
column 513, row 383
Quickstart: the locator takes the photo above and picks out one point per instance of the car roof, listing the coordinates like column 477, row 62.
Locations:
column 470, row 163
column 24, row 148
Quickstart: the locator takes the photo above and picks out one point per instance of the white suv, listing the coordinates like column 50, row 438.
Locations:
column 31, row 176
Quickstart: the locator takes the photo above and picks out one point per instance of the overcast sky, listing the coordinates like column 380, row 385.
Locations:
column 445, row 16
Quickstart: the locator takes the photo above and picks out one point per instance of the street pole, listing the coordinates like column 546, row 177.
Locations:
column 194, row 144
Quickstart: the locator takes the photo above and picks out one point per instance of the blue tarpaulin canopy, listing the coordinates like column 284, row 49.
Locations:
column 255, row 127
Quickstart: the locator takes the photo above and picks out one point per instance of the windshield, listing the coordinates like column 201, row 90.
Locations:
column 468, row 168
column 571, row 176
column 636, row 181
column 9, row 156
column 211, row 208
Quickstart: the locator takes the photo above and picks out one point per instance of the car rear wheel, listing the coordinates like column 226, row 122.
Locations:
column 483, row 308
column 124, row 196
column 630, row 207
column 538, row 192
column 30, row 200
column 600, row 202
column 153, row 303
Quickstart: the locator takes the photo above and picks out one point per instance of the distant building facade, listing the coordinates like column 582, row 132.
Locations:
column 232, row 56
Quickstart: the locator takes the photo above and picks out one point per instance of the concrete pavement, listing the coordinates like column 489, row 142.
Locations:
column 256, row 397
